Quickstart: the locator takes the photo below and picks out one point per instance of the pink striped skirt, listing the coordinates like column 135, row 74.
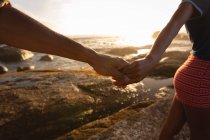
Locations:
column 192, row 82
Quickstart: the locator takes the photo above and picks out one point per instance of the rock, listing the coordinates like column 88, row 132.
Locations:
column 170, row 62
column 100, row 125
column 179, row 36
column 3, row 69
column 47, row 58
column 144, row 125
column 47, row 104
column 10, row 54
column 122, row 51
column 25, row 68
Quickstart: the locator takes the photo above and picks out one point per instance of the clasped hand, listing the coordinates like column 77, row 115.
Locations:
column 136, row 71
column 124, row 72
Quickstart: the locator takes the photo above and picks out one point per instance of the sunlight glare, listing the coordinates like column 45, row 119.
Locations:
column 135, row 41
column 131, row 19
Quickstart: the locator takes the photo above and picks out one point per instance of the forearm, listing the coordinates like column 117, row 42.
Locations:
column 21, row 31
column 163, row 41
column 180, row 17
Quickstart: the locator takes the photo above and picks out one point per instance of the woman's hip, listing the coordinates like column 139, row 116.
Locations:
column 192, row 82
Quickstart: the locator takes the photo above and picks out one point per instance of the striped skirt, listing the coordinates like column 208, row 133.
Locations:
column 192, row 82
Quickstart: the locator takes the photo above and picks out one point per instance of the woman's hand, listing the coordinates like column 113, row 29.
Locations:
column 138, row 70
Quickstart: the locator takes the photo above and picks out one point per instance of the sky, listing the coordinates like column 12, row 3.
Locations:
column 100, row 17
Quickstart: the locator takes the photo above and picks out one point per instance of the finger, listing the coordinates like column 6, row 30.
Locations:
column 129, row 68
column 118, row 76
column 135, row 70
column 134, row 75
column 131, row 81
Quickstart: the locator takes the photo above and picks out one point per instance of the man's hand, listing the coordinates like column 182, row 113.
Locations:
column 137, row 70
column 110, row 66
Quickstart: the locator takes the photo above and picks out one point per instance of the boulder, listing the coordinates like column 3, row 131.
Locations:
column 170, row 62
column 47, row 58
column 10, row 54
column 45, row 104
column 25, row 68
column 179, row 36
column 122, row 51
column 3, row 69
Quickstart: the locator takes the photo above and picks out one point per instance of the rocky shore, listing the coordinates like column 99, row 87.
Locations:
column 48, row 104
column 44, row 104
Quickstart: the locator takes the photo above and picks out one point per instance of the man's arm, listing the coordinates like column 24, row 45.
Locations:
column 21, row 31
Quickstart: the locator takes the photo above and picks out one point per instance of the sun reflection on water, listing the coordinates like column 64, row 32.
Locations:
column 142, row 51
column 135, row 41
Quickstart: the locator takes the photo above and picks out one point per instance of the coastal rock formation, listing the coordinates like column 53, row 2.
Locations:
column 179, row 36
column 80, row 105
column 47, row 58
column 10, row 54
column 3, row 69
column 141, row 121
column 25, row 68
column 45, row 104
column 122, row 51
column 145, row 125
column 169, row 63
column 100, row 125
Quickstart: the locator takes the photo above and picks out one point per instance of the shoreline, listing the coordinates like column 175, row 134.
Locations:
column 61, row 103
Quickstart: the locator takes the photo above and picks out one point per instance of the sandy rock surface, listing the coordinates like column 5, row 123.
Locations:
column 79, row 105
column 45, row 104
column 145, row 125
column 3, row 69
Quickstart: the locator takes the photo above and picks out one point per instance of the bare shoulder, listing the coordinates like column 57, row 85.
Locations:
column 186, row 6
column 183, row 13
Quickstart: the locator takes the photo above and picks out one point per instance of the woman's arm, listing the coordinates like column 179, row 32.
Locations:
column 21, row 31
column 180, row 17
column 139, row 69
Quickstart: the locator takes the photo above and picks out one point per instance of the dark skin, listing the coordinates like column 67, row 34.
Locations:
column 199, row 122
column 198, row 119
column 21, row 31
column 139, row 69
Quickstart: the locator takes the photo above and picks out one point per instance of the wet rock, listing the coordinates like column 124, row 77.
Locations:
column 25, row 68
column 3, row 69
column 10, row 54
column 47, row 58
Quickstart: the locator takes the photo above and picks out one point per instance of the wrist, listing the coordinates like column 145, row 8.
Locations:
column 92, row 57
column 153, row 58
